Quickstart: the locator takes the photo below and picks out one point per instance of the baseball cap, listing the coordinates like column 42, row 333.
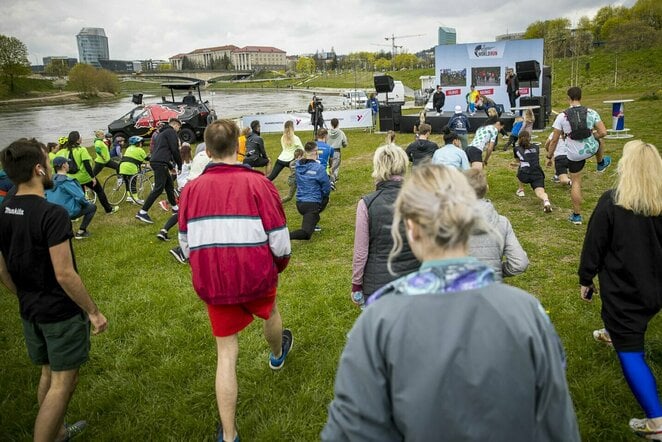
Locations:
column 58, row 162
column 458, row 109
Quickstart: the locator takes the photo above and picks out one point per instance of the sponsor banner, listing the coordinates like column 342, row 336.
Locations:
column 453, row 92
column 486, row 50
column 523, row 91
column 486, row 91
column 272, row 123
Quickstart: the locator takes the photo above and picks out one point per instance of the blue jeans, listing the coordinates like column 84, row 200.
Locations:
column 87, row 211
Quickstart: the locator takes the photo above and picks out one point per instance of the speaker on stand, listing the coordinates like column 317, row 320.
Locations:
column 528, row 70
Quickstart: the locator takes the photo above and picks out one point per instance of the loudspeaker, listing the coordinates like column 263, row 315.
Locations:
column 383, row 83
column 528, row 70
column 547, row 89
column 389, row 117
column 137, row 99
column 538, row 113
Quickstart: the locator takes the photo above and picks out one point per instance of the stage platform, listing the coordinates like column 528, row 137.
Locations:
column 407, row 122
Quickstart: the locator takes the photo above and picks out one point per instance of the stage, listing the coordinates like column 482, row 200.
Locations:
column 407, row 122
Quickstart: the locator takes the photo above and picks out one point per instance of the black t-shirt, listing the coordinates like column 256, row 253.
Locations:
column 29, row 226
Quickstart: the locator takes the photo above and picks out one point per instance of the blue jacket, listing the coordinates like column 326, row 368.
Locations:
column 459, row 123
column 324, row 152
column 312, row 181
column 67, row 193
column 373, row 104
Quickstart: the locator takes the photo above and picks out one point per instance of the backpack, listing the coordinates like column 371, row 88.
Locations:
column 73, row 166
column 577, row 118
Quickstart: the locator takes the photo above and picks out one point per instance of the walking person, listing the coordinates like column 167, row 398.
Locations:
column 583, row 130
column 81, row 169
column 289, row 142
column 338, row 140
column 37, row 265
column 372, row 231
column 166, row 151
column 623, row 248
column 231, row 220
column 445, row 353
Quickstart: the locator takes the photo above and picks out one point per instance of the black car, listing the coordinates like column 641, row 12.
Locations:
column 143, row 120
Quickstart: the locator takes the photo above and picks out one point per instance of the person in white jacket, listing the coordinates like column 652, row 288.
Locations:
column 500, row 249
column 337, row 140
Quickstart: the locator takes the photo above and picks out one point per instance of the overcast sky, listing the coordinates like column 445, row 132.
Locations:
column 158, row 29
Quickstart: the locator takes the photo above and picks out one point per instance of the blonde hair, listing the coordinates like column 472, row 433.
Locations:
column 442, row 203
column 390, row 137
column 99, row 133
column 288, row 133
column 389, row 160
column 639, row 182
column 529, row 117
column 492, row 112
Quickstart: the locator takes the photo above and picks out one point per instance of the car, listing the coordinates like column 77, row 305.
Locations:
column 355, row 98
column 143, row 120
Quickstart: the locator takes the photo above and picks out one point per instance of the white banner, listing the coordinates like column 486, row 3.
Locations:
column 271, row 123
column 486, row 50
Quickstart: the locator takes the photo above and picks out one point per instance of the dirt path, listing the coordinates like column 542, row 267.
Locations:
column 60, row 97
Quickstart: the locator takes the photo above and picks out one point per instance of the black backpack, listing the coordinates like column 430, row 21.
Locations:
column 73, row 166
column 576, row 116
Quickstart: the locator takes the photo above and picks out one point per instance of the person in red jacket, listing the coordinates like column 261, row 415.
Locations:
column 232, row 229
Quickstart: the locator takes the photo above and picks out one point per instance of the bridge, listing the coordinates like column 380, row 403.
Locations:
column 206, row 76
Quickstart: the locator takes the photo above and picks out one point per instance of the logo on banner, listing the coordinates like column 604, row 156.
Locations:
column 297, row 121
column 453, row 92
column 523, row 91
column 359, row 117
column 486, row 91
column 486, row 50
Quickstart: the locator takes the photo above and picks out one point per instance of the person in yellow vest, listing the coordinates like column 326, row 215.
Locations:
column 132, row 159
column 103, row 154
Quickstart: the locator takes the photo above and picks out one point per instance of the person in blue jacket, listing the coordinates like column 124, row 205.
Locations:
column 373, row 105
column 313, row 189
column 67, row 193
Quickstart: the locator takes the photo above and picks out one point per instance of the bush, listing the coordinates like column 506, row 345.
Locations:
column 89, row 81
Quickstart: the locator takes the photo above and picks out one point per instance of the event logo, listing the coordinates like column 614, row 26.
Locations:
column 297, row 121
column 485, row 51
column 359, row 117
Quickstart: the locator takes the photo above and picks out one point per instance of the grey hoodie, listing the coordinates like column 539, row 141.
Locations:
column 337, row 138
column 491, row 249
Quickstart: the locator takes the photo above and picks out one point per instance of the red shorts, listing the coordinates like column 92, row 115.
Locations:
column 226, row 320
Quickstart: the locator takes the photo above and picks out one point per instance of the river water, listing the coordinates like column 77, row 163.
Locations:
column 48, row 123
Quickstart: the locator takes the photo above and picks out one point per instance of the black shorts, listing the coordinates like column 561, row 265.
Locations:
column 626, row 320
column 257, row 162
column 561, row 165
column 576, row 166
column 474, row 154
column 533, row 176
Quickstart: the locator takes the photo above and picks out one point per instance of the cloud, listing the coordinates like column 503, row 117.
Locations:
column 158, row 29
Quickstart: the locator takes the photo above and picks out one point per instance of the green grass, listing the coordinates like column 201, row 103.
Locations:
column 151, row 375
column 26, row 87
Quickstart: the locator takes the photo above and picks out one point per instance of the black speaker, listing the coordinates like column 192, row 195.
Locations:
column 538, row 113
column 137, row 99
column 383, row 83
column 528, row 70
column 547, row 89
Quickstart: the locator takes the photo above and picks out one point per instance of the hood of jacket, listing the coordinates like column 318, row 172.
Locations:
column 334, row 134
column 488, row 211
column 58, row 179
column 424, row 145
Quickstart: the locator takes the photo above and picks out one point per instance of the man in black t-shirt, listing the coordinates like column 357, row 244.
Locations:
column 37, row 264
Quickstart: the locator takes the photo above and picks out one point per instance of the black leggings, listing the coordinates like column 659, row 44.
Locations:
column 311, row 216
column 162, row 180
column 100, row 194
column 98, row 167
column 280, row 165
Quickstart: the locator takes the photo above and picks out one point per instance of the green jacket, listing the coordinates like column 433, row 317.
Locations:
column 103, row 155
column 132, row 155
column 80, row 156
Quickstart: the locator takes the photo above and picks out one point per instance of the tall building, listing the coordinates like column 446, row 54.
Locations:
column 92, row 46
column 447, row 36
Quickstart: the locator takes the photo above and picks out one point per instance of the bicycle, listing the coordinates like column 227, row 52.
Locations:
column 142, row 182
column 115, row 189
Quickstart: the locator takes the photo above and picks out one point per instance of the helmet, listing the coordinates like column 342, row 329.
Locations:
column 62, row 141
column 135, row 139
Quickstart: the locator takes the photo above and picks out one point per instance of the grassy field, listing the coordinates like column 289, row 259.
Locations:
column 151, row 375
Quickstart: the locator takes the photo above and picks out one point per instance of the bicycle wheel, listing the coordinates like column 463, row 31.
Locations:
column 90, row 195
column 144, row 184
column 115, row 189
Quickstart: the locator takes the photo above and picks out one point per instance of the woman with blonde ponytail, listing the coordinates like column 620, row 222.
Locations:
column 445, row 353
column 623, row 247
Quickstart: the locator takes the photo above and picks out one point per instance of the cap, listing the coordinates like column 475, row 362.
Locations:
column 59, row 161
column 458, row 109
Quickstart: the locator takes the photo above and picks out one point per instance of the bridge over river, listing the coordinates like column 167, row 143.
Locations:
column 205, row 76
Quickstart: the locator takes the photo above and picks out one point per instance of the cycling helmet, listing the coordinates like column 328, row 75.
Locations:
column 62, row 141
column 135, row 139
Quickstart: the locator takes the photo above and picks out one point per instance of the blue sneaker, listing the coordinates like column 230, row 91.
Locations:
column 288, row 340
column 219, row 435
column 606, row 162
column 575, row 219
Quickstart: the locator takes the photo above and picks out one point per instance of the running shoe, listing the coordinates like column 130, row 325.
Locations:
column 602, row 335
column 135, row 200
column 520, row 193
column 641, row 429
column 555, row 178
column 82, row 234
column 179, row 255
column 144, row 217
column 164, row 205
column 606, row 162
column 163, row 235
column 113, row 209
column 318, row 228
column 575, row 218
column 547, row 207
column 73, row 430
column 219, row 434
column 288, row 341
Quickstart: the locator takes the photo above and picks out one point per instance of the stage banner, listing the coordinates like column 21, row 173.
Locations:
column 271, row 123
column 484, row 64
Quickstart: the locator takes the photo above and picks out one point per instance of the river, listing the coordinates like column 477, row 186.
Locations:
column 49, row 122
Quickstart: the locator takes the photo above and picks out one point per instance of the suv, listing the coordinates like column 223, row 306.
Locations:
column 355, row 98
column 143, row 120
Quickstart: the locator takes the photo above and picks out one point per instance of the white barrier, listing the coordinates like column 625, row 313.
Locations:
column 271, row 123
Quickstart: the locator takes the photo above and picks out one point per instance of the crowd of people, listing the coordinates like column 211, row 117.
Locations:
column 431, row 252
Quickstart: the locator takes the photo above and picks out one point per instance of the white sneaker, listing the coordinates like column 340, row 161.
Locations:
column 520, row 193
column 547, row 207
